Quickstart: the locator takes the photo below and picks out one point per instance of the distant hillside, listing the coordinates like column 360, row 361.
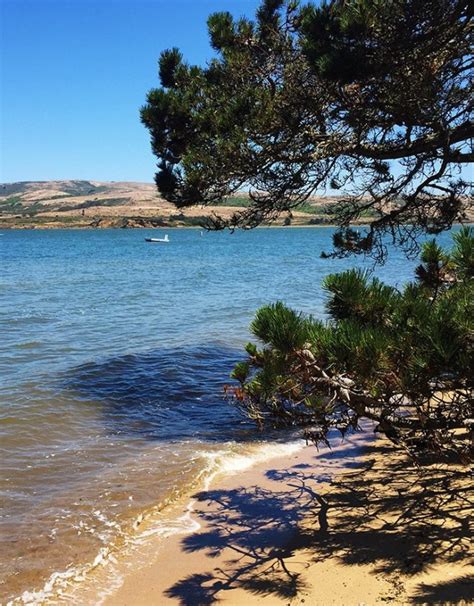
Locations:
column 52, row 188
column 82, row 204
column 50, row 204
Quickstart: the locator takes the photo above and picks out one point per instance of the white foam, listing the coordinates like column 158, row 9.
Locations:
column 219, row 462
column 184, row 524
column 230, row 463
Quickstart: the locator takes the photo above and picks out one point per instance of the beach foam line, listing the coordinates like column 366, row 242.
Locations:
column 59, row 581
column 218, row 463
column 229, row 463
column 222, row 462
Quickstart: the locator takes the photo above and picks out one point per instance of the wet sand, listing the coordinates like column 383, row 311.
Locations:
column 354, row 525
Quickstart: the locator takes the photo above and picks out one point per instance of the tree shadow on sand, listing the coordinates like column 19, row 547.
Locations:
column 454, row 591
column 380, row 510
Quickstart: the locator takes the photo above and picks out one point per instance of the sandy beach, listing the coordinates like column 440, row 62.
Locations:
column 355, row 525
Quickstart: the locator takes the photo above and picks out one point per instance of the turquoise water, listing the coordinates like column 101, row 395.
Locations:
column 113, row 356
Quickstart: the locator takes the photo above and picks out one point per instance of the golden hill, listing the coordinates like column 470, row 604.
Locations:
column 79, row 203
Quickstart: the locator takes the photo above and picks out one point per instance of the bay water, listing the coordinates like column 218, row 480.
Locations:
column 113, row 357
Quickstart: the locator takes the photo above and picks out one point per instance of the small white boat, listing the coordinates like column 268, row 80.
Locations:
column 165, row 239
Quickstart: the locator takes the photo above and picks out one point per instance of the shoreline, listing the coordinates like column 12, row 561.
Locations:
column 351, row 525
column 140, row 228
column 88, row 227
column 164, row 519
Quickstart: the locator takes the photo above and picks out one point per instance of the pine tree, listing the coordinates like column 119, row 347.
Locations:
column 403, row 358
column 371, row 98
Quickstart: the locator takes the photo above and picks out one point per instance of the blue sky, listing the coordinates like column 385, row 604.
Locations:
column 74, row 74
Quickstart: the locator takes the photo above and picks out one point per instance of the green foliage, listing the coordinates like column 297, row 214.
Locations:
column 434, row 264
column 94, row 203
column 197, row 221
column 462, row 255
column 281, row 327
column 169, row 63
column 404, row 358
column 307, row 97
column 354, row 297
column 11, row 204
column 221, row 30
column 15, row 205
column 241, row 372
column 329, row 33
column 308, row 208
